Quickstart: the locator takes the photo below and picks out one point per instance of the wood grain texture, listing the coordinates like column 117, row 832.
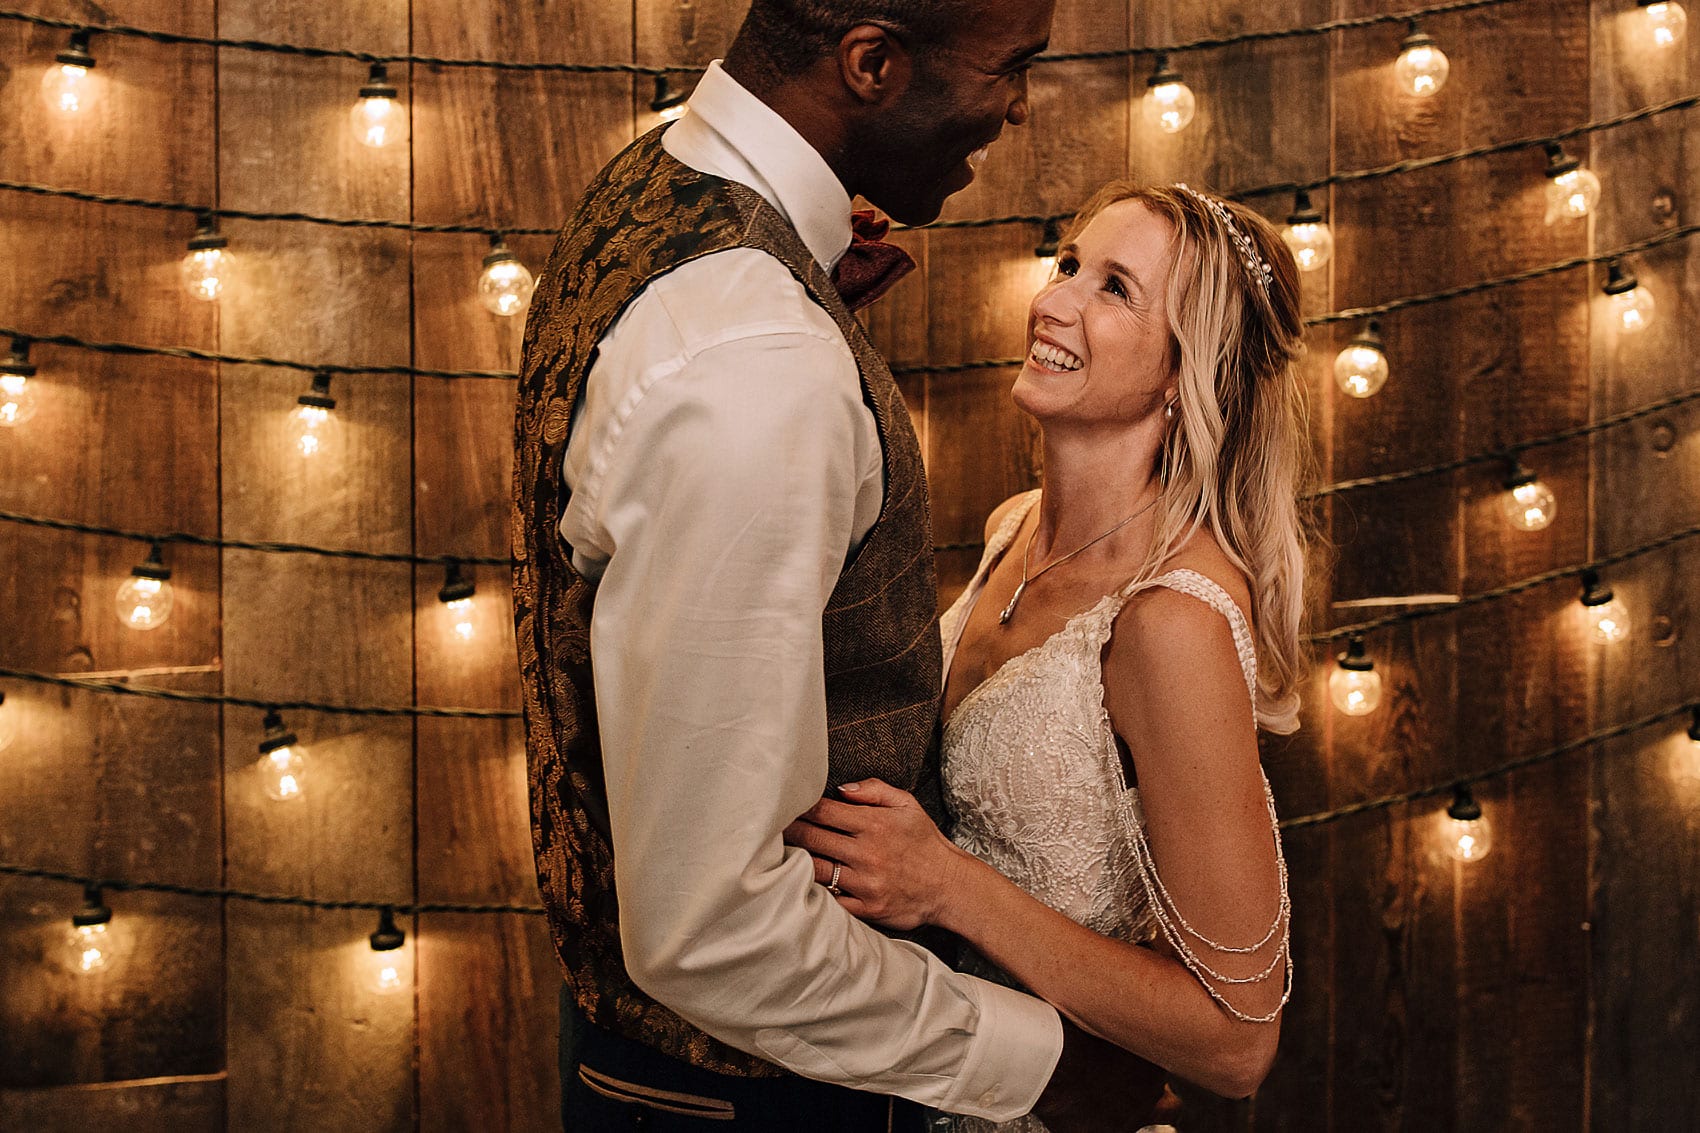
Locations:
column 128, row 788
column 310, row 1044
column 1644, row 901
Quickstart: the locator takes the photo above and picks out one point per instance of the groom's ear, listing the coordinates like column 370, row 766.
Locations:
column 873, row 64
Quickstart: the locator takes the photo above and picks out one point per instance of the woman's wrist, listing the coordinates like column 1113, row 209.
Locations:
column 959, row 882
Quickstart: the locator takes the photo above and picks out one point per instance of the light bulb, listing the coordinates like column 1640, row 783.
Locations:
column 312, row 413
column 145, row 599
column 209, row 264
column 378, row 118
column 456, row 594
column 1529, row 504
column 1685, row 760
column 1169, row 103
column 283, row 761
column 1631, row 304
column 505, row 286
column 8, row 730
column 1307, row 235
column 385, row 973
column 1354, row 686
column 1606, row 616
column 1421, row 68
column 1049, row 241
column 668, row 103
column 1467, row 833
column 1662, row 22
column 17, row 399
column 1361, row 369
column 88, row 945
column 1572, row 189
column 67, row 87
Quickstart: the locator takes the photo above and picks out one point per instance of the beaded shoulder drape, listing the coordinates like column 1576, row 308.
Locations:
column 1033, row 777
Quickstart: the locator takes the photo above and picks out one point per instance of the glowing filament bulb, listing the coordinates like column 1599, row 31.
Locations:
column 1631, row 304
column 1361, row 369
column 1421, row 68
column 145, row 599
column 312, row 413
column 386, row 970
column 378, row 118
column 505, row 285
column 1607, row 617
column 1049, row 241
column 283, row 761
column 1529, row 504
column 17, row 399
column 209, row 264
column 1685, row 760
column 461, row 610
column 67, row 87
column 1663, row 22
column 1467, row 832
column 456, row 593
column 1169, row 103
column 1354, row 686
column 668, row 103
column 1572, row 189
column 88, row 945
column 1307, row 235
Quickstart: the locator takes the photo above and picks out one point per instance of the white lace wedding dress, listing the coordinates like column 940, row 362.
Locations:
column 1033, row 777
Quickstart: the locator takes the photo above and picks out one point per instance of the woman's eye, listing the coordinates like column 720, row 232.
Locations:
column 1067, row 265
column 1114, row 287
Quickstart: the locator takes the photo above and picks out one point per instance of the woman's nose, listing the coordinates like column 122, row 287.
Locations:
column 1055, row 301
column 1019, row 111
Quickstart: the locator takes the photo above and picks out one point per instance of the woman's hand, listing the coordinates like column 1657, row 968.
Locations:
column 894, row 867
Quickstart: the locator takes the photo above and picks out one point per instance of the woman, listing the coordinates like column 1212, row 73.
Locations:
column 1130, row 627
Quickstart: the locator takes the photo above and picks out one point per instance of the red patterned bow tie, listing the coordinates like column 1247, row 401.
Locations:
column 870, row 265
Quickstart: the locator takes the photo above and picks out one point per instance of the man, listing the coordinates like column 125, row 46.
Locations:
column 724, row 593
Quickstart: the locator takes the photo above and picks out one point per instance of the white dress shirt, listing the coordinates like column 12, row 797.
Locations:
column 723, row 465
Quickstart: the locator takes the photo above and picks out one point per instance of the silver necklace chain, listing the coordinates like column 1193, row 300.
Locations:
column 1026, row 555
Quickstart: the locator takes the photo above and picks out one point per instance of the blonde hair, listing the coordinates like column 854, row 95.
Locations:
column 1236, row 450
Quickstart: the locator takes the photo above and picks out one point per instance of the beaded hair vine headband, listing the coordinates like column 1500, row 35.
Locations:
column 1254, row 263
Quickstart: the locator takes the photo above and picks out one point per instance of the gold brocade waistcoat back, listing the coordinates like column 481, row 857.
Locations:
column 644, row 215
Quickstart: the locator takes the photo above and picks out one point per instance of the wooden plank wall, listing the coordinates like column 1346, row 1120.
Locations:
column 1550, row 985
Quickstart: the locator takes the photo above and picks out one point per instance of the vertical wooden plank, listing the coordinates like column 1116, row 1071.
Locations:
column 487, row 984
column 130, row 784
column 1646, row 787
column 1392, row 1009
column 311, row 1043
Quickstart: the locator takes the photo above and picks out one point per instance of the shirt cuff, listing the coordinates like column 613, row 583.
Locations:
column 1015, row 1052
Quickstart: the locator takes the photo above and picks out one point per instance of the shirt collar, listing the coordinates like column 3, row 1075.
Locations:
column 731, row 133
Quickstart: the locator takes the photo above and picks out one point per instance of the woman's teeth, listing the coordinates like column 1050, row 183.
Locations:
column 978, row 157
column 1053, row 357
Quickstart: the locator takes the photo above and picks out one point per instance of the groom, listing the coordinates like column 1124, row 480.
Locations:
column 724, row 595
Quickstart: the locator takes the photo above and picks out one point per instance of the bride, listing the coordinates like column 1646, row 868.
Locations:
column 1130, row 627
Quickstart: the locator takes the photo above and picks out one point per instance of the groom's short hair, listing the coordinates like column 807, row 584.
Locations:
column 781, row 39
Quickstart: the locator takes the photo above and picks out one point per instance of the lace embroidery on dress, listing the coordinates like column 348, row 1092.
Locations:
column 1034, row 780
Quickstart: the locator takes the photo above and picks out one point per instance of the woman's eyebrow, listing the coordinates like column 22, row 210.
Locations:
column 1127, row 273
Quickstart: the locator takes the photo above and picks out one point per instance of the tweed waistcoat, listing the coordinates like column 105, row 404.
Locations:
column 644, row 215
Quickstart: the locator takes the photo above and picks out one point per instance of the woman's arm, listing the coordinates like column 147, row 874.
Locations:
column 1173, row 683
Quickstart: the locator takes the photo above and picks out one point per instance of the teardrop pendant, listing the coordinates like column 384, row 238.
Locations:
column 1009, row 610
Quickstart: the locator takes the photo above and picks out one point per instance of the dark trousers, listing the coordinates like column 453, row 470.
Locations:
column 610, row 1083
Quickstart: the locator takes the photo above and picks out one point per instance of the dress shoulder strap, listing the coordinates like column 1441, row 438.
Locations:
column 1004, row 535
column 1210, row 592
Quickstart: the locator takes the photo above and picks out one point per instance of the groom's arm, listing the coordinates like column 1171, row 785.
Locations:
column 725, row 498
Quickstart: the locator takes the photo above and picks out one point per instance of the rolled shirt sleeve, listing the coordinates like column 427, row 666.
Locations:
column 719, row 500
